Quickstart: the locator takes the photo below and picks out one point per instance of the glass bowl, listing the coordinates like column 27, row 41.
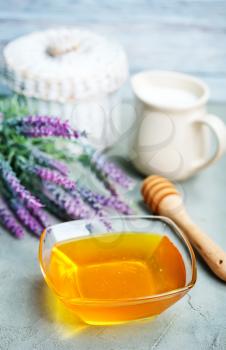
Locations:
column 91, row 306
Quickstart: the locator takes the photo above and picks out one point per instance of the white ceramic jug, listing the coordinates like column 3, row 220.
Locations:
column 173, row 135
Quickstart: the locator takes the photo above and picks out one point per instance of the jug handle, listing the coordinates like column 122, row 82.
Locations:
column 218, row 127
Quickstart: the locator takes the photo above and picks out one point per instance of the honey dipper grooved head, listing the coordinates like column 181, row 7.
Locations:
column 154, row 189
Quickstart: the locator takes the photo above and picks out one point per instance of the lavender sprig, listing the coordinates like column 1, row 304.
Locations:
column 21, row 157
column 95, row 201
column 107, row 172
column 10, row 223
column 110, row 170
column 41, row 216
column 119, row 205
column 25, row 217
column 98, row 201
column 53, row 176
column 73, row 207
column 15, row 187
column 44, row 159
column 43, row 126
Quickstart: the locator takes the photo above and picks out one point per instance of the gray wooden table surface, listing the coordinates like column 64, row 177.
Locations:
column 31, row 318
column 188, row 36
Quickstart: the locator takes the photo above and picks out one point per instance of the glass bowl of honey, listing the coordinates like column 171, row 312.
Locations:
column 134, row 268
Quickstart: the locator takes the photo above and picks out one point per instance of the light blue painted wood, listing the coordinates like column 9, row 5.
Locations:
column 188, row 36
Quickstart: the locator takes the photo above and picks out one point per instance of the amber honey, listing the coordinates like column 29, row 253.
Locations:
column 117, row 268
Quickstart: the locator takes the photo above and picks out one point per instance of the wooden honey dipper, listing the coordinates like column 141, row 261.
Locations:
column 163, row 198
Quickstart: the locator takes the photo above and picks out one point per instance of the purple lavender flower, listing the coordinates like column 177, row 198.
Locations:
column 41, row 216
column 119, row 205
column 99, row 201
column 44, row 126
column 72, row 206
column 117, row 175
column 25, row 217
column 15, row 187
column 88, row 159
column 107, row 172
column 46, row 160
column 53, row 176
column 95, row 201
column 110, row 170
column 10, row 223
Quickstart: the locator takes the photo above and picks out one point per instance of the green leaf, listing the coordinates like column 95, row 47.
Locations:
column 84, row 159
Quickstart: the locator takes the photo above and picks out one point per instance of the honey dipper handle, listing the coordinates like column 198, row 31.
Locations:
column 214, row 255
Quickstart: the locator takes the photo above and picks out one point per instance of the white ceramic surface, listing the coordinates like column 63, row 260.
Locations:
column 173, row 135
column 73, row 73
column 97, row 116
